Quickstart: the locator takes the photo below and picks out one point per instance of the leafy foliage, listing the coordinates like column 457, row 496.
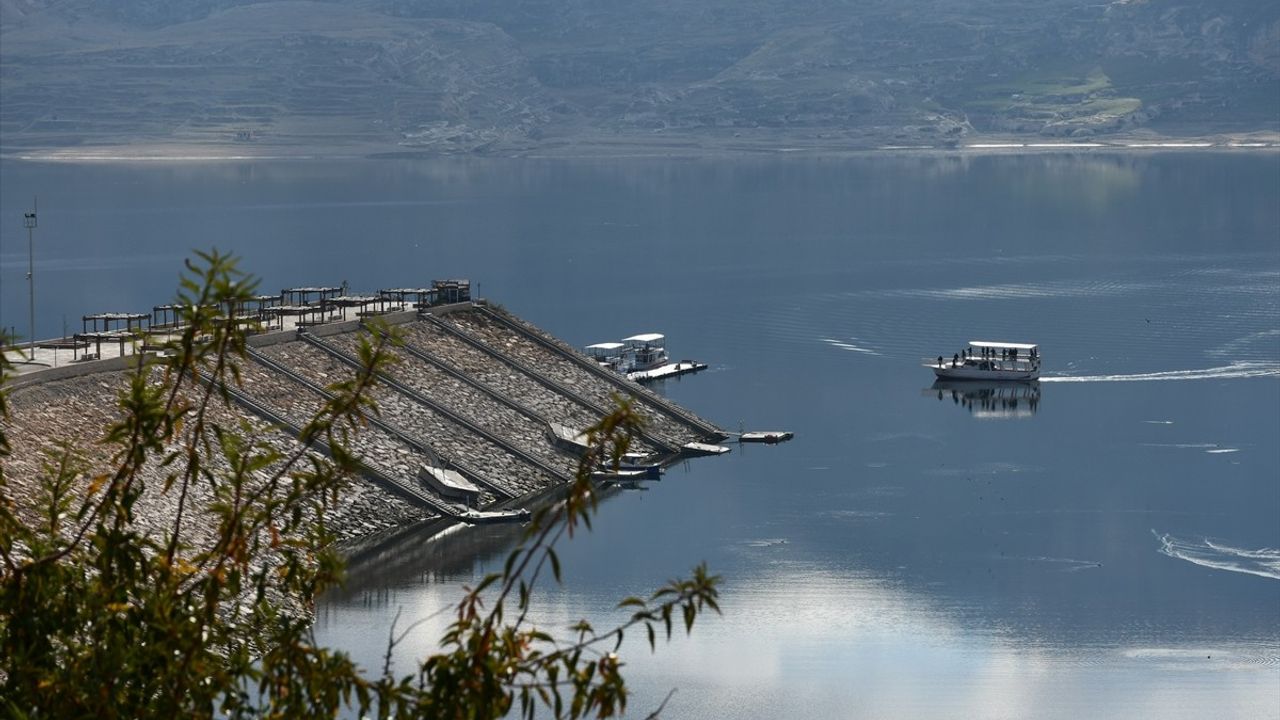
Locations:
column 101, row 616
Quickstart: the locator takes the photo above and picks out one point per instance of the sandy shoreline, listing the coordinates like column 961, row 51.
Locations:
column 591, row 147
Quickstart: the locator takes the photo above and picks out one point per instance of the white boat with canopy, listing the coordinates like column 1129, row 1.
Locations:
column 607, row 354
column 645, row 351
column 642, row 358
column 989, row 360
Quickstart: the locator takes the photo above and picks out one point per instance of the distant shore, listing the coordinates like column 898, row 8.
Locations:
column 655, row 145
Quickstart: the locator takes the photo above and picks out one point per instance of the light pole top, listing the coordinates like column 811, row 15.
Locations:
column 29, row 220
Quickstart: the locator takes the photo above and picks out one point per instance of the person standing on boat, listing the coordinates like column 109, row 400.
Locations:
column 939, row 361
column 955, row 359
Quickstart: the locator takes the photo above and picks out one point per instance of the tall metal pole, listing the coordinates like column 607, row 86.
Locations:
column 29, row 220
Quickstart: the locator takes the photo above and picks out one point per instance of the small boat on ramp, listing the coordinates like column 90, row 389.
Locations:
column 991, row 361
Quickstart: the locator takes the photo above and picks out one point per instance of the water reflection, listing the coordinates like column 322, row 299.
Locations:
column 433, row 551
column 420, row 557
column 1030, row 604
column 989, row 400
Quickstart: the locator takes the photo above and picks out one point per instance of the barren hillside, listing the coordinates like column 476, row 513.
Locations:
column 491, row 75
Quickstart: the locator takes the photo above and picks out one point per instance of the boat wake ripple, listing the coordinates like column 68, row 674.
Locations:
column 848, row 346
column 1023, row 291
column 1263, row 562
column 1064, row 564
column 1234, row 370
column 1265, row 340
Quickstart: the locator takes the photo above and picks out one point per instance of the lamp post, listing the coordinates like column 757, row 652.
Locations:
column 29, row 221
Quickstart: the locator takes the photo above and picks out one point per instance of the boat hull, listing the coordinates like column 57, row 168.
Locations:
column 973, row 386
column 968, row 372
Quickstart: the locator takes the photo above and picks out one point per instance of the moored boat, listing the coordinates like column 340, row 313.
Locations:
column 649, row 464
column 642, row 358
column 645, row 351
column 608, row 354
column 487, row 517
column 988, row 360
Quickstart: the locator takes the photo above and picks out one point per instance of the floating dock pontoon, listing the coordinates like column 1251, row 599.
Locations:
column 488, row 517
column 662, row 372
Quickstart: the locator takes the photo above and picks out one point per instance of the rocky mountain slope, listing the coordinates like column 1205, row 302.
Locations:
column 504, row 75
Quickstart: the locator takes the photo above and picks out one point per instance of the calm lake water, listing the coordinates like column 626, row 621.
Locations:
column 1106, row 546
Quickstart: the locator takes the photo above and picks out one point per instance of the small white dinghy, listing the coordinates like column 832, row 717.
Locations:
column 987, row 360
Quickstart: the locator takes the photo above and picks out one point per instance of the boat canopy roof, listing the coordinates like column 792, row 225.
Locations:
column 999, row 345
column 645, row 338
column 605, row 346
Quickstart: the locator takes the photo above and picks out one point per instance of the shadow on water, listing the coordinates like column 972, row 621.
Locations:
column 433, row 549
column 413, row 557
column 989, row 400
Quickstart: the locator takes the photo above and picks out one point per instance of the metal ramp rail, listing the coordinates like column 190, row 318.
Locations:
column 423, row 400
column 545, row 381
column 657, row 401
column 468, row 472
column 387, row 482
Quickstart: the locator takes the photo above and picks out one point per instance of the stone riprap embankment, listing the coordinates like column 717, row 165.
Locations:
column 298, row 403
column 492, row 410
column 501, row 376
column 451, row 440
column 474, row 391
column 75, row 412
